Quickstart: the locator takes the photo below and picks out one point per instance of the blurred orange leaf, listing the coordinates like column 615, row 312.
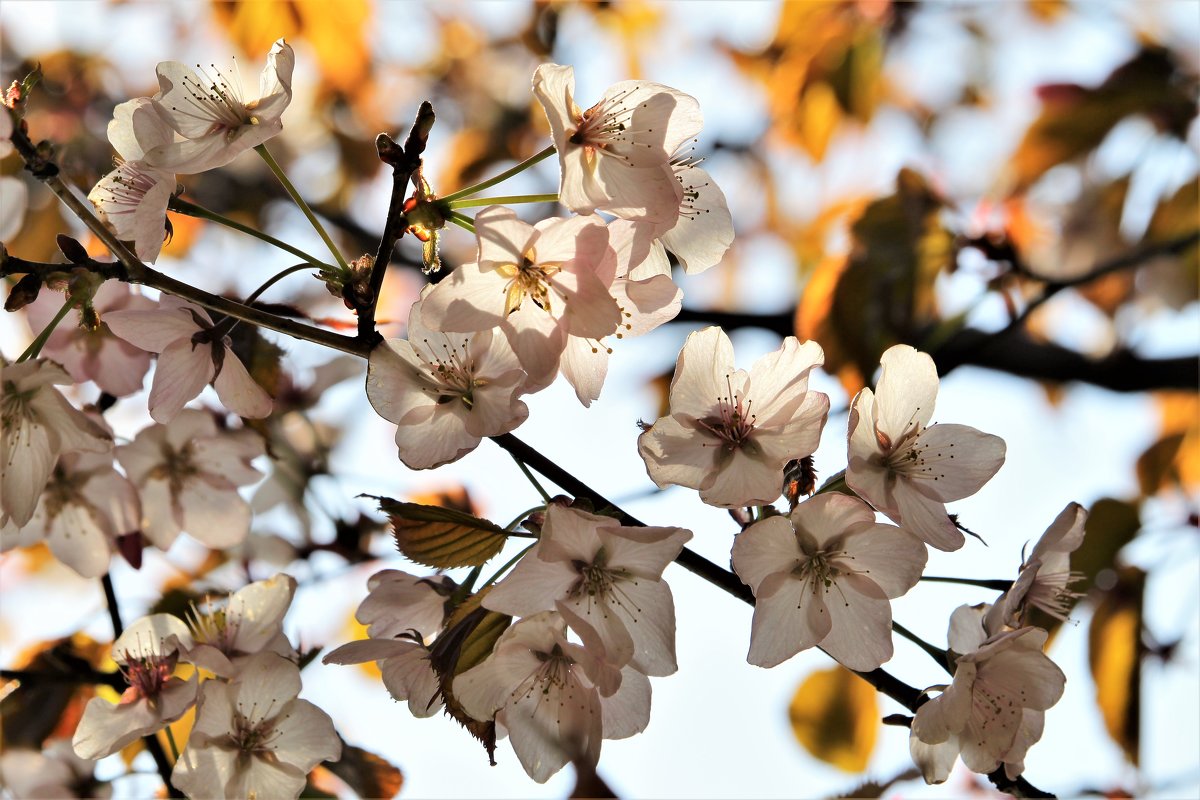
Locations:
column 1114, row 656
column 835, row 715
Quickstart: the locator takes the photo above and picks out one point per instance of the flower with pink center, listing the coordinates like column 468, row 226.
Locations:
column 1045, row 578
column 132, row 199
column 84, row 508
column 254, row 737
column 824, row 576
column 905, row 467
column 37, row 424
column 729, row 433
column 192, row 353
column 188, row 474
column 994, row 709
column 146, row 653
column 95, row 354
column 606, row 574
column 445, row 391
column 205, row 107
column 613, row 154
column 250, row 621
column 538, row 283
column 556, row 699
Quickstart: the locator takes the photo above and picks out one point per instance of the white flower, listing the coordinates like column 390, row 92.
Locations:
column 83, row 509
column 539, row 282
column 607, row 574
column 14, row 199
column 132, row 199
column 404, row 663
column 444, row 391
column 1046, row 574
column 398, row 603
column 824, row 577
column 249, row 622
column 994, row 709
column 54, row 772
column 556, row 699
column 729, row 433
column 214, row 123
column 147, row 653
column 116, row 366
column 188, row 474
column 905, row 469
column 36, row 425
column 190, row 356
column 613, row 154
column 253, row 737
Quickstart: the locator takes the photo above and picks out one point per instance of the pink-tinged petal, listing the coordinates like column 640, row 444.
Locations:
column 585, row 364
column 471, row 299
column 554, row 727
column 946, row 715
column 410, row 676
column 240, row 393
column 966, row 633
column 1028, row 734
column 14, row 199
column 704, row 232
column 602, row 615
column 934, row 760
column 646, row 304
column 798, row 436
column 275, row 82
column 226, row 456
column 153, row 635
column 743, row 480
column 504, row 238
column 643, row 551
column 766, row 547
column 532, row 586
column 364, row 650
column 926, row 518
column 262, row 777
column 106, row 728
column 860, row 617
column 136, row 127
column 152, row 331
column 788, row 617
column 656, row 263
column 207, row 657
column 216, row 516
column 627, row 711
column 206, row 771
column 306, row 736
column 398, row 602
column 396, row 380
column 662, row 119
column 704, row 372
column 79, row 538
column 906, row 391
column 259, row 610
column 184, row 369
column 569, row 534
column 647, row 609
column 160, row 523
column 650, row 194
column 827, row 517
column 538, row 340
column 554, row 87
column 1064, row 535
column 955, row 461
column 190, row 156
column 779, row 379
column 28, row 458
column 590, row 312
column 495, row 408
column 431, row 436
column 891, row 557
column 677, row 454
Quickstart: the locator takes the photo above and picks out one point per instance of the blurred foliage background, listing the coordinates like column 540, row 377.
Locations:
column 1007, row 186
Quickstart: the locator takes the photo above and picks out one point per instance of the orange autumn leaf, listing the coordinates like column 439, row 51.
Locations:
column 835, row 716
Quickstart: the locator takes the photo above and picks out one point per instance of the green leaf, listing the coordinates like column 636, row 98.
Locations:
column 442, row 537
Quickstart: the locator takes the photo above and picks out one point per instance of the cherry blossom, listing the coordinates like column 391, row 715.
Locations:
column 539, row 281
column 613, row 155
column 206, row 108
column 556, row 699
column 729, row 433
column 405, row 666
column 84, row 508
column 250, row 621
column 1046, row 574
column 824, row 576
column 38, row 424
column 14, row 199
column 445, row 391
column 147, row 653
column 994, row 709
column 607, row 574
column 52, row 773
column 95, row 354
column 905, row 467
column 187, row 474
column 190, row 356
column 253, row 737
column 132, row 199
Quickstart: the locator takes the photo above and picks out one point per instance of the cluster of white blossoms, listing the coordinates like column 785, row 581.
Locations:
column 252, row 737
column 555, row 653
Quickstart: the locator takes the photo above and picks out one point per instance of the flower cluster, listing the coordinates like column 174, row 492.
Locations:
column 252, row 736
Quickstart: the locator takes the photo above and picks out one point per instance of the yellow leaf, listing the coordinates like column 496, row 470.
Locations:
column 817, row 118
column 1180, row 412
column 1114, row 656
column 442, row 537
column 835, row 715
